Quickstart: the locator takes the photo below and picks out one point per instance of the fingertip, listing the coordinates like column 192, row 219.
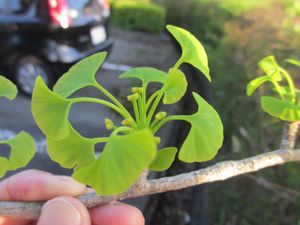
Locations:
column 64, row 210
column 116, row 214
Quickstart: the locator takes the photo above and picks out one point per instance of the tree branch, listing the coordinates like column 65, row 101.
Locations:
column 217, row 172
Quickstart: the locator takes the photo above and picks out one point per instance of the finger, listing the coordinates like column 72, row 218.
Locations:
column 64, row 211
column 34, row 185
column 115, row 214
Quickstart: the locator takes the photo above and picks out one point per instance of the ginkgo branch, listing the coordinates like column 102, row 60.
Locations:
column 218, row 172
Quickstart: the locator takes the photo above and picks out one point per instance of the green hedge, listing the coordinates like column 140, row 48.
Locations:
column 138, row 16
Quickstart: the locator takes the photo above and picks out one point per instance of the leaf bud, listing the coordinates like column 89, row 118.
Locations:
column 157, row 140
column 160, row 115
column 138, row 90
column 133, row 97
column 108, row 124
column 127, row 122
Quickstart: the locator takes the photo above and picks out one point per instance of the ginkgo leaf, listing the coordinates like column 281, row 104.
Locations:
column 22, row 150
column 82, row 74
column 7, row 88
column 72, row 151
column 146, row 75
column 254, row 84
column 280, row 109
column 175, row 86
column 192, row 50
column 120, row 164
column 270, row 67
column 294, row 62
column 50, row 111
column 3, row 166
column 163, row 159
column 206, row 134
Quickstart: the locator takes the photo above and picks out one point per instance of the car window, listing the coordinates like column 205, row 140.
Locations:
column 18, row 6
column 80, row 8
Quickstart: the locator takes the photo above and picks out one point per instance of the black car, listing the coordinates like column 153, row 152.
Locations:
column 46, row 37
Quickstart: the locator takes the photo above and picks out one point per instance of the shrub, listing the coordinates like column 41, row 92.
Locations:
column 132, row 15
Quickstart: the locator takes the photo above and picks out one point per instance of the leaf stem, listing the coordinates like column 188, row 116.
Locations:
column 122, row 129
column 167, row 119
column 290, row 83
column 101, row 139
column 278, row 88
column 153, row 108
column 111, row 97
column 178, row 63
column 136, row 112
column 150, row 100
column 101, row 102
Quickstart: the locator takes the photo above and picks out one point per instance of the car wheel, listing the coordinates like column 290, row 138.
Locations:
column 27, row 69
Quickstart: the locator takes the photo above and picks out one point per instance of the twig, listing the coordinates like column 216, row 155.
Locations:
column 289, row 135
column 217, row 172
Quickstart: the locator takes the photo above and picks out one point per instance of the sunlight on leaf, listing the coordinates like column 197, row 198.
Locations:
column 50, row 111
column 206, row 135
column 7, row 88
column 146, row 75
column 270, row 67
column 163, row 159
column 82, row 74
column 175, row 86
column 192, row 50
column 72, row 151
column 254, row 84
column 120, row 164
column 280, row 109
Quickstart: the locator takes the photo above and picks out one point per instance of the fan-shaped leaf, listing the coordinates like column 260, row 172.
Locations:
column 280, row 109
column 206, row 134
column 192, row 50
column 50, row 111
column 7, row 88
column 270, row 67
column 254, row 84
column 82, row 74
column 119, row 166
column 72, row 151
column 146, row 75
column 175, row 86
column 22, row 149
column 163, row 159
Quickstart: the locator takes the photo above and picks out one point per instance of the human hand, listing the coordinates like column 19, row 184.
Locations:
column 34, row 185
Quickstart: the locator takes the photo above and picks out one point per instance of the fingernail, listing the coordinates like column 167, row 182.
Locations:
column 59, row 212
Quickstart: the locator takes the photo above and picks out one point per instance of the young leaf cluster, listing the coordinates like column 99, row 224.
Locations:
column 132, row 146
column 22, row 147
column 286, row 106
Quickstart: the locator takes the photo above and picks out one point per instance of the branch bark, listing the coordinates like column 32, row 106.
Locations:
column 218, row 172
column 289, row 135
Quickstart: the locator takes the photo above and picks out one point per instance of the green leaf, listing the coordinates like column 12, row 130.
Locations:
column 163, row 159
column 254, row 84
column 3, row 166
column 72, row 151
column 50, row 111
column 206, row 134
column 294, row 62
column 192, row 50
column 22, row 150
column 175, row 86
column 7, row 88
column 82, row 74
column 285, row 90
column 123, row 159
column 146, row 75
column 270, row 67
column 280, row 109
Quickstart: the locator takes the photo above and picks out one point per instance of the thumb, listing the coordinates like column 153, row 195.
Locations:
column 64, row 211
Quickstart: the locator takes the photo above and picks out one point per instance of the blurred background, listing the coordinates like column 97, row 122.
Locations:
column 46, row 37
